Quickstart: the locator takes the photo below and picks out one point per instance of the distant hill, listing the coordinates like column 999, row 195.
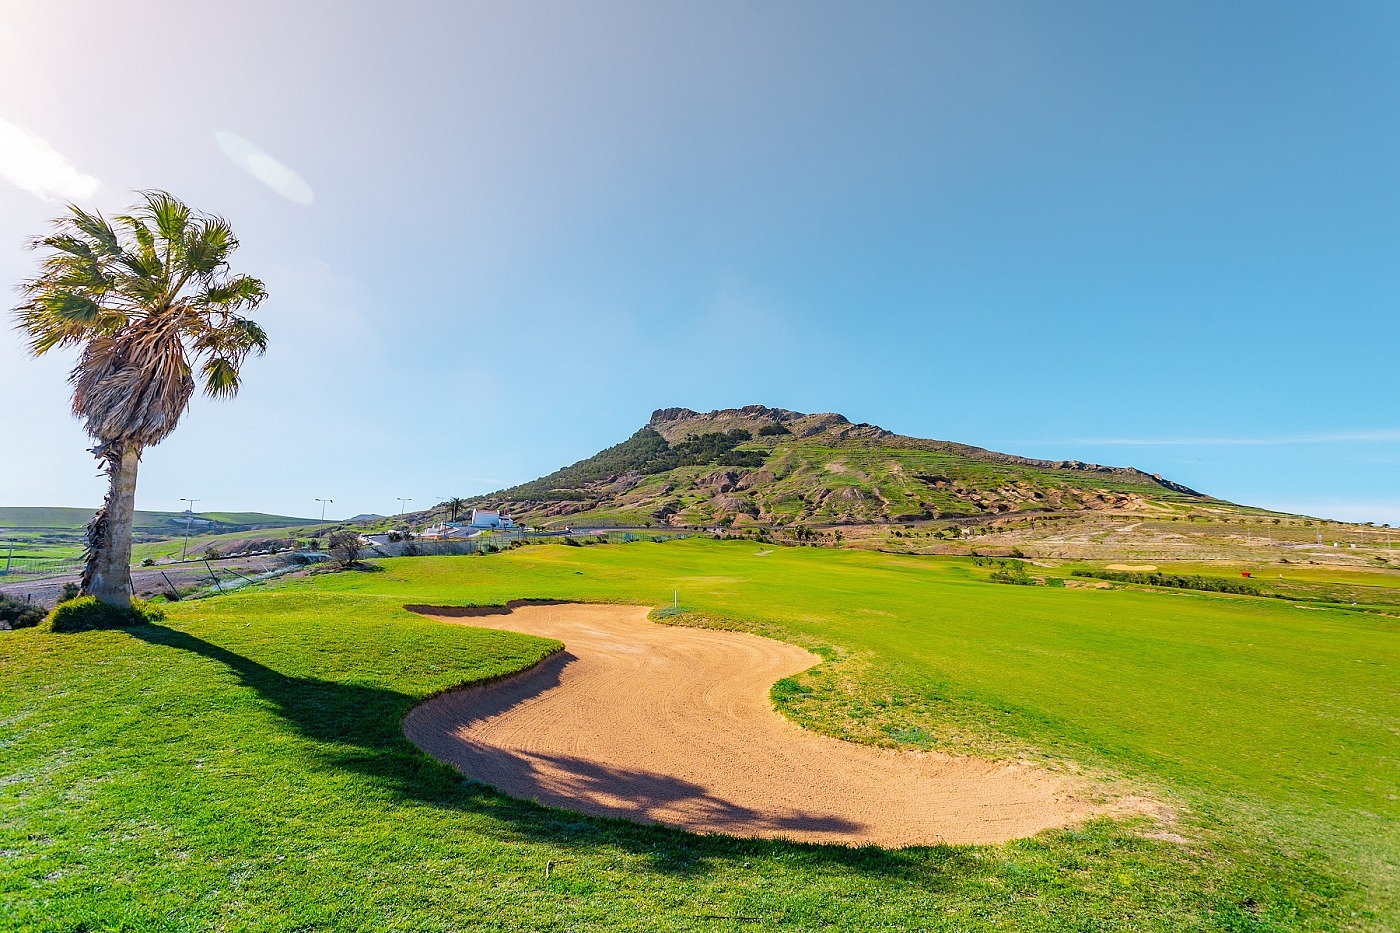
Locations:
column 759, row 465
column 69, row 519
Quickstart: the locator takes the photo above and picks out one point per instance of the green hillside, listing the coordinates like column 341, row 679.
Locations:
column 59, row 533
column 766, row 466
column 69, row 519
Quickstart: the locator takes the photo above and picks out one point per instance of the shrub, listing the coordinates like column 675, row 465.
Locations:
column 87, row 613
column 16, row 613
column 771, row 430
column 346, row 547
column 1013, row 572
column 1177, row 581
column 70, row 590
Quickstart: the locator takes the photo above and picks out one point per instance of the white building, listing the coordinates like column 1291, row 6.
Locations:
column 445, row 530
column 489, row 518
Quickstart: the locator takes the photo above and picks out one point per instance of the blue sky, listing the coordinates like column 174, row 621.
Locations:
column 497, row 236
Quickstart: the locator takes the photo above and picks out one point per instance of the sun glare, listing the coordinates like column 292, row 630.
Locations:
column 256, row 161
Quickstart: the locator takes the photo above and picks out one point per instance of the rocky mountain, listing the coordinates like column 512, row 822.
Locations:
column 770, row 466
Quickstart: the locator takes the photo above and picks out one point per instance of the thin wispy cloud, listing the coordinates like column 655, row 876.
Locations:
column 31, row 164
column 256, row 161
column 1341, row 437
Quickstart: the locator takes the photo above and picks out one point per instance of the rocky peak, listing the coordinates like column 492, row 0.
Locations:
column 676, row 424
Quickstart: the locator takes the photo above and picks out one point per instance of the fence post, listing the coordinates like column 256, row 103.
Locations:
column 9, row 558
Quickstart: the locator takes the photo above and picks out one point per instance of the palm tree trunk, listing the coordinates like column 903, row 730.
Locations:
column 108, row 572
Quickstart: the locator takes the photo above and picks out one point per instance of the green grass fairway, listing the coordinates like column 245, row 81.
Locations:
column 242, row 767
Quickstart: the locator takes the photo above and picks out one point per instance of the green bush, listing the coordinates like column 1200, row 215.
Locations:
column 1016, row 576
column 87, row 613
column 1177, row 581
column 16, row 613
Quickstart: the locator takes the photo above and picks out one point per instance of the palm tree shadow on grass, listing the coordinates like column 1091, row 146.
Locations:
column 358, row 728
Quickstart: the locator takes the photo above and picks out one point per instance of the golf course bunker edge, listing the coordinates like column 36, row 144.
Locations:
column 673, row 725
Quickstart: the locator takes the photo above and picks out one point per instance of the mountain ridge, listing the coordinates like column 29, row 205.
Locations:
column 670, row 416
column 774, row 466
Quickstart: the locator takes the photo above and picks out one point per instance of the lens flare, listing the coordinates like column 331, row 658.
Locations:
column 254, row 160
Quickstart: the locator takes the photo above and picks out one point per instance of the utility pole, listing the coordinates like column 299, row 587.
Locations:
column 189, row 517
column 322, row 530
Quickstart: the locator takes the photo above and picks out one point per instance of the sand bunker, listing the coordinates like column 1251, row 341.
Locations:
column 662, row 724
column 1140, row 568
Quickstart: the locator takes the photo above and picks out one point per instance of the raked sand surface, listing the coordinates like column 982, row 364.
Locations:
column 672, row 725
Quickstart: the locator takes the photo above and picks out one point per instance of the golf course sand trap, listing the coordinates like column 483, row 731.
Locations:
column 671, row 725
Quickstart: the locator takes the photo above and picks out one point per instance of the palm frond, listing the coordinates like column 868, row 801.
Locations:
column 221, row 377
column 241, row 291
column 94, row 227
column 141, row 258
column 171, row 215
column 61, row 319
column 148, row 298
column 208, row 245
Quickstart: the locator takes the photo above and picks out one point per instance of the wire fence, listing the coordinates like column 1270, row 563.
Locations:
column 17, row 565
column 499, row 541
column 14, row 563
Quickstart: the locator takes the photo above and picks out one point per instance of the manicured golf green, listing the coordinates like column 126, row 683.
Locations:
column 242, row 766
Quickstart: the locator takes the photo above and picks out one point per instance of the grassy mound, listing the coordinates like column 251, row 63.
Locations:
column 88, row 614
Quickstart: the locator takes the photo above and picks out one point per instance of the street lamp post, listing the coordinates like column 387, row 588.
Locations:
column 322, row 530
column 403, row 503
column 189, row 517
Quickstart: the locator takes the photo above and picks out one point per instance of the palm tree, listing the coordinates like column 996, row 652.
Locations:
column 454, row 505
column 145, row 298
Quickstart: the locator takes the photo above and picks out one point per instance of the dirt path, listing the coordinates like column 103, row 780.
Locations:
column 674, row 725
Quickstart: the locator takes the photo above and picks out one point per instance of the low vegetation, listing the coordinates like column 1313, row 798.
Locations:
column 18, row 613
column 1175, row 580
column 88, row 614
